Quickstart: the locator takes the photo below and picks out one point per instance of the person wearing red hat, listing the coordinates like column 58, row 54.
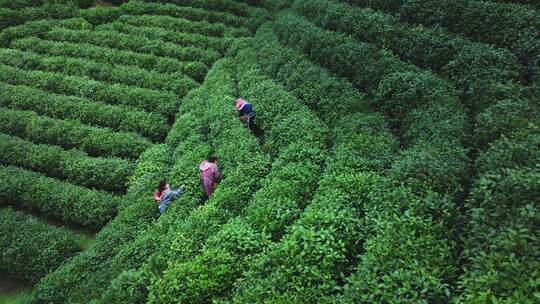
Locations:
column 246, row 113
column 210, row 175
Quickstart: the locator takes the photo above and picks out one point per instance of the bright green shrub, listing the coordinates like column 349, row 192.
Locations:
column 69, row 203
column 500, row 243
column 134, row 43
column 241, row 164
column 73, row 165
column 177, row 24
column 273, row 207
column 30, row 248
column 329, row 97
column 18, row 4
column 71, row 134
column 100, row 15
column 192, row 13
column 116, row 117
column 39, row 28
column 194, row 69
column 184, row 39
column 337, row 52
column 398, row 93
column 71, row 280
column 519, row 150
column 163, row 103
column 484, row 21
column 234, row 7
column 177, row 83
column 502, row 118
column 11, row 17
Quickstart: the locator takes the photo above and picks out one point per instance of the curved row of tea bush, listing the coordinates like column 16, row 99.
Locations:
column 39, row 28
column 313, row 85
column 501, row 246
column 180, row 24
column 486, row 76
column 163, row 103
column 75, row 166
column 134, row 43
column 217, row 262
column 183, row 39
column 233, row 7
column 69, row 134
column 239, row 157
column 18, row 4
column 319, row 247
column 30, row 248
column 135, row 216
column 477, row 69
column 137, row 7
column 116, row 117
column 507, row 25
column 427, row 114
column 178, row 84
column 11, row 17
column 61, row 200
column 166, row 65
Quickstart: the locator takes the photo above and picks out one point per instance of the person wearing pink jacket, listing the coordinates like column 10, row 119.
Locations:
column 210, row 175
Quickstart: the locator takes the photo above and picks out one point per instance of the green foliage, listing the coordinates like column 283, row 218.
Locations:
column 182, row 39
column 329, row 97
column 363, row 64
column 194, row 69
column 11, row 17
column 179, row 24
column 178, row 84
column 30, row 248
column 233, row 7
column 61, row 200
column 503, row 118
column 39, row 28
column 74, row 166
column 500, row 246
column 71, row 134
column 134, row 43
column 72, row 281
column 18, row 4
column 116, row 117
column 163, row 103
column 137, row 7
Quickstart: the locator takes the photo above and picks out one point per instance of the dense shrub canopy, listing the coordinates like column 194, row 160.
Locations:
column 394, row 159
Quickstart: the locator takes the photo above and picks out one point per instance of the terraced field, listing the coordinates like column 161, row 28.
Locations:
column 398, row 160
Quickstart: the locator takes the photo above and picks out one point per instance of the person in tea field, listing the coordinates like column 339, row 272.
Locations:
column 164, row 195
column 246, row 113
column 210, row 175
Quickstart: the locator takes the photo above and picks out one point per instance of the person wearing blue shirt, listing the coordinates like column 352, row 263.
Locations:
column 246, row 113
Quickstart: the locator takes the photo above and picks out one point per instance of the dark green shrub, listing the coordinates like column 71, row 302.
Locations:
column 72, row 165
column 134, row 43
column 69, row 203
column 30, row 248
column 71, row 134
column 116, row 117
column 178, row 84
column 154, row 101
column 503, row 118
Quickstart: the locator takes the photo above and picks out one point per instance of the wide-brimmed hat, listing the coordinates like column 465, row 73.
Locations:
column 204, row 165
column 240, row 103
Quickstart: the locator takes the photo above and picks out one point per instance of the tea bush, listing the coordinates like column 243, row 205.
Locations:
column 71, row 134
column 30, row 248
column 117, row 117
column 72, row 165
column 61, row 200
column 163, row 103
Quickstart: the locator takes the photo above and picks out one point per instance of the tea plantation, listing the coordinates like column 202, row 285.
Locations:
column 399, row 158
